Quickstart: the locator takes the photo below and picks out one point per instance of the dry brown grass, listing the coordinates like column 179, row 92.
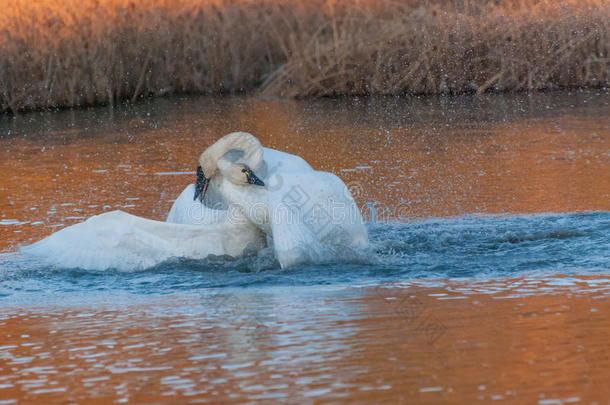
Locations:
column 80, row 52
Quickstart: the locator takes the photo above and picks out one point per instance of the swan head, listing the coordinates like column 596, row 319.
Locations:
column 237, row 173
column 202, row 184
column 241, row 174
column 206, row 169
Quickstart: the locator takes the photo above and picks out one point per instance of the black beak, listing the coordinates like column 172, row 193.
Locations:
column 252, row 179
column 202, row 184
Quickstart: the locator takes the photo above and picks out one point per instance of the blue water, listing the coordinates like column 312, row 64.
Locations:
column 482, row 246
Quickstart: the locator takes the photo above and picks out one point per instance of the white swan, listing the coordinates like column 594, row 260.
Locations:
column 307, row 216
column 310, row 215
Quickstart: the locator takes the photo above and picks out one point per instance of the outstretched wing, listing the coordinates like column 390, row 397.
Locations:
column 117, row 240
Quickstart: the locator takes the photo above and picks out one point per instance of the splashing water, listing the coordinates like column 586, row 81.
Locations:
column 473, row 246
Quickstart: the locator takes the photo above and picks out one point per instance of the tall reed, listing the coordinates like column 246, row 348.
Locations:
column 82, row 52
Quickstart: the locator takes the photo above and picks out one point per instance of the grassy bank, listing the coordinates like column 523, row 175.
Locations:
column 79, row 52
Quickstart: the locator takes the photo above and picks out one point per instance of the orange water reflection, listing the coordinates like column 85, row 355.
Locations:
column 455, row 342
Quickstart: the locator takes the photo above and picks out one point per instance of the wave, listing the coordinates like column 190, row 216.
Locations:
column 497, row 244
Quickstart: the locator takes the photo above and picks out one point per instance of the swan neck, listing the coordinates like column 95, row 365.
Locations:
column 252, row 148
column 252, row 200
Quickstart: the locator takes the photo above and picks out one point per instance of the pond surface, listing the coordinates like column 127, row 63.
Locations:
column 489, row 216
